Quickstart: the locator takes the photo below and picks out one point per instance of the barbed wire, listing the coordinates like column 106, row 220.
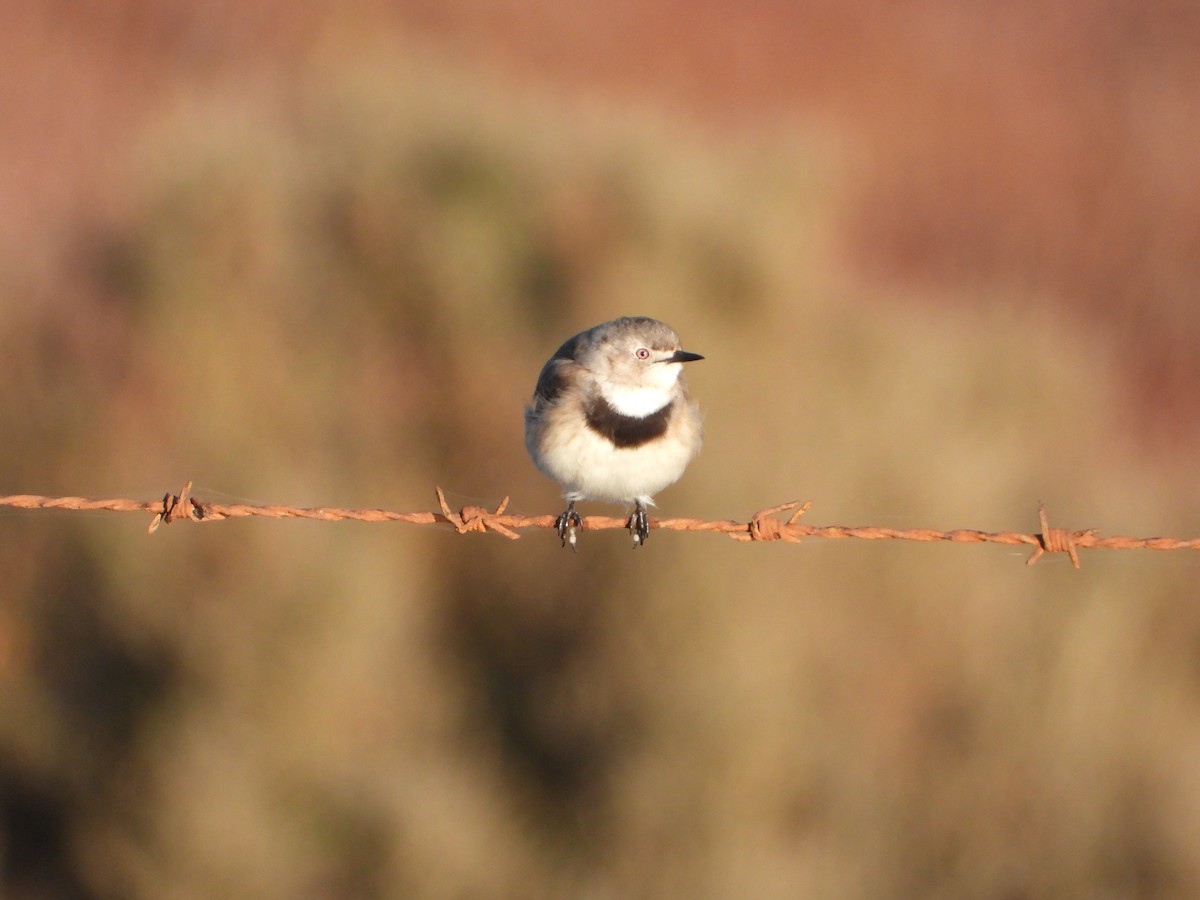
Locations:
column 764, row 525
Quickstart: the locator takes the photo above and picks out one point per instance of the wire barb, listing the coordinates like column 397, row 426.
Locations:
column 476, row 518
column 177, row 506
column 1057, row 540
column 764, row 525
column 765, row 528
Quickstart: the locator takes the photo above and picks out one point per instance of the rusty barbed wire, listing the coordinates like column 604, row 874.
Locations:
column 764, row 526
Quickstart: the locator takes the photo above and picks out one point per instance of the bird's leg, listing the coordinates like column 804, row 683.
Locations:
column 639, row 524
column 566, row 524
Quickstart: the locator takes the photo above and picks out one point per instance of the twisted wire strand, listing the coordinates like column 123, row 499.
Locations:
column 766, row 525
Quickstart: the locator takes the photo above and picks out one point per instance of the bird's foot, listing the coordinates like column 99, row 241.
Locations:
column 566, row 524
column 639, row 525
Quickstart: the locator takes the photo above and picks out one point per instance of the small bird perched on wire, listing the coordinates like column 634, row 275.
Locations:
column 611, row 419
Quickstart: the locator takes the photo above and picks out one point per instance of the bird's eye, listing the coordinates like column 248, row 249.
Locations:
column 642, row 353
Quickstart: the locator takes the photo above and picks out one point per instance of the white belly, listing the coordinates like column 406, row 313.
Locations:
column 590, row 467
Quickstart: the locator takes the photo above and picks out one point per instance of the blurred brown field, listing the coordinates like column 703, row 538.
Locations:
column 942, row 261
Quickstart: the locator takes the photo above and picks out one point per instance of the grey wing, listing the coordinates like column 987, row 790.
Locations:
column 551, row 384
column 554, row 378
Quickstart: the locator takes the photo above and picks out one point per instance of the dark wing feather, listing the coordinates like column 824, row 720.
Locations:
column 553, row 379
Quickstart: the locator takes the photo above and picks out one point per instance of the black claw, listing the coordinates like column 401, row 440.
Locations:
column 566, row 524
column 639, row 524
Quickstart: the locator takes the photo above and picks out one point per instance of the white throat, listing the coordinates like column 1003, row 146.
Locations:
column 639, row 401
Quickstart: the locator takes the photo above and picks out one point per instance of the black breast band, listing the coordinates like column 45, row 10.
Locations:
column 627, row 431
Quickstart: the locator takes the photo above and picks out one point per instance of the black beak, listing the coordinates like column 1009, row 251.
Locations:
column 683, row 356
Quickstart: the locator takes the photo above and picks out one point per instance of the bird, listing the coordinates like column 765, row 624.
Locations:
column 611, row 419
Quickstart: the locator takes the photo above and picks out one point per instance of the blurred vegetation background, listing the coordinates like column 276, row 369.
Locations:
column 942, row 259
